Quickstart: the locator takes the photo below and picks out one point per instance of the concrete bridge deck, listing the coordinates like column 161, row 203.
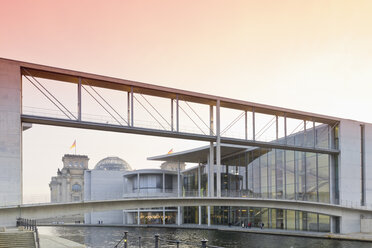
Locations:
column 9, row 214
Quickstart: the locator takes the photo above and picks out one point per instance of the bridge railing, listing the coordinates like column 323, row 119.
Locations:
column 31, row 225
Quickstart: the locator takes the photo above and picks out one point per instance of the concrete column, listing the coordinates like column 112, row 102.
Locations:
column 10, row 134
column 199, row 177
column 138, row 184
column 163, row 215
column 179, row 215
column 211, row 170
column 163, row 183
column 218, row 148
column 209, row 215
column 138, row 217
column 178, row 180
column 200, row 220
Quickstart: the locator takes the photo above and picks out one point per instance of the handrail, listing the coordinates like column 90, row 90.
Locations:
column 31, row 225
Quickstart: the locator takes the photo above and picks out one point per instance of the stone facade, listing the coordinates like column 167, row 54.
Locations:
column 68, row 185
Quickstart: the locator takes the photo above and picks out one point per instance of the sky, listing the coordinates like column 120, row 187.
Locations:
column 314, row 56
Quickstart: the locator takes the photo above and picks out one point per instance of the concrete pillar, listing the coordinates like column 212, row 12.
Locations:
column 163, row 183
column 179, row 215
column 200, row 219
column 163, row 215
column 10, row 134
column 209, row 215
column 138, row 217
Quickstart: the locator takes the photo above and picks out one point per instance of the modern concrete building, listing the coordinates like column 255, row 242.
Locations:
column 68, row 185
column 289, row 169
column 105, row 182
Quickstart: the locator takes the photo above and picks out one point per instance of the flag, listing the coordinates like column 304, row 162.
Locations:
column 73, row 145
column 170, row 151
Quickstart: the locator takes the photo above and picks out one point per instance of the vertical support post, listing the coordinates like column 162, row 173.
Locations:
column 163, row 182
column 209, row 215
column 199, row 177
column 163, row 215
column 178, row 215
column 246, row 124
column 172, row 125
column 138, row 217
column 178, row 179
column 79, row 99
column 204, row 243
column 277, row 127
column 125, row 239
column 218, row 148
column 314, row 134
column 285, row 128
column 200, row 219
column 138, row 184
column 131, row 107
column 156, row 240
column 177, row 114
column 253, row 124
column 305, row 138
column 128, row 104
column 211, row 156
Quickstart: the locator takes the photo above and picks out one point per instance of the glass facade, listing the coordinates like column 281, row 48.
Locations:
column 253, row 217
column 269, row 173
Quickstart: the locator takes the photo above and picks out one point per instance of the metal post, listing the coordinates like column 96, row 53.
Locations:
column 314, row 134
column 128, row 102
column 139, row 242
column 178, row 243
column 285, row 128
column 156, row 240
column 131, row 107
column 277, row 127
column 172, row 125
column 177, row 114
column 204, row 243
column 79, row 99
column 218, row 148
column 125, row 239
column 246, row 124
column 253, row 124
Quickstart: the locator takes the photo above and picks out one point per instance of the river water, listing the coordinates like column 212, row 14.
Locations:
column 107, row 237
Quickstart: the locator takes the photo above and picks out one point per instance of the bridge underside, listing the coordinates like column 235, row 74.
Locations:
column 8, row 215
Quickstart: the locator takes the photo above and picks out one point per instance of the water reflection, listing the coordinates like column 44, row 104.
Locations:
column 107, row 237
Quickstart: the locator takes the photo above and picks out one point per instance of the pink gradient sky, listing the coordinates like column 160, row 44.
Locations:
column 314, row 56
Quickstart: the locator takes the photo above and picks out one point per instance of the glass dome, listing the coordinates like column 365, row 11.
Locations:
column 113, row 164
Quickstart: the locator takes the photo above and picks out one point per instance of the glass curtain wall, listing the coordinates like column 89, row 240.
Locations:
column 253, row 217
column 277, row 174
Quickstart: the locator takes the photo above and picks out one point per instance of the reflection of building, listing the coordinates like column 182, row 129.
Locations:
column 68, row 185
